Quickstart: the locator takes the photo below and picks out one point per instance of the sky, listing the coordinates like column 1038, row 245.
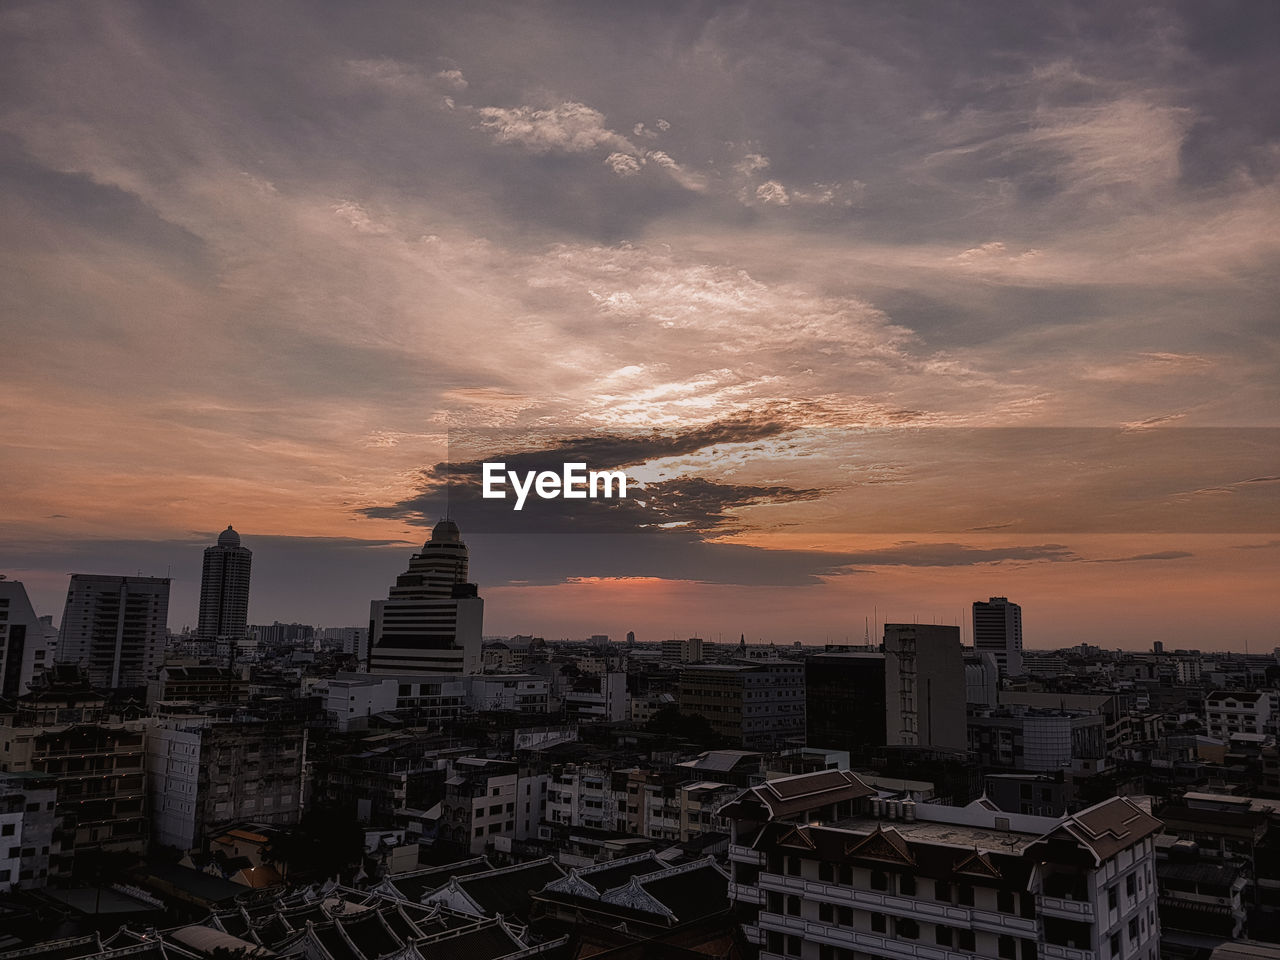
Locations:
column 885, row 307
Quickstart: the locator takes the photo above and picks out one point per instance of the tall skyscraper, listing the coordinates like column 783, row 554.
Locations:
column 432, row 619
column 115, row 627
column 24, row 647
column 997, row 629
column 224, row 588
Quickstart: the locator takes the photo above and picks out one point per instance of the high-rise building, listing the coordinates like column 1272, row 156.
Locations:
column 997, row 629
column 924, row 686
column 115, row 627
column 24, row 647
column 224, row 588
column 432, row 619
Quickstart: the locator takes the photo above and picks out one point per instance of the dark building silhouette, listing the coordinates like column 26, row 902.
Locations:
column 224, row 588
column 845, row 701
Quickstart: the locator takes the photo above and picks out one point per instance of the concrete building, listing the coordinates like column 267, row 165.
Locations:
column 115, row 627
column 981, row 679
column 824, row 868
column 198, row 684
column 224, row 588
column 479, row 805
column 1037, row 739
column 25, row 649
column 754, row 705
column 924, row 686
column 28, row 829
column 432, row 620
column 1229, row 712
column 681, row 651
column 597, row 698
column 205, row 775
column 519, row 692
column 100, row 776
column 997, row 629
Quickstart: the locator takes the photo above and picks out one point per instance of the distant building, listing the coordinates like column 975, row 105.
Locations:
column 997, row 628
column 1229, row 712
column 754, row 705
column 602, row 697
column 200, row 684
column 432, row 620
column 24, row 642
column 682, row 651
column 115, row 627
column 924, row 686
column 224, row 588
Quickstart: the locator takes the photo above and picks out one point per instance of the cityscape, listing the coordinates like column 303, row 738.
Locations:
column 415, row 783
column 670, row 481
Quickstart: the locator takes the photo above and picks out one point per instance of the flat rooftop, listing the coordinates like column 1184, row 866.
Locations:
column 961, row 836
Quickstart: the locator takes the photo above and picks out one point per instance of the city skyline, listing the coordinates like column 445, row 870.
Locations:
column 889, row 312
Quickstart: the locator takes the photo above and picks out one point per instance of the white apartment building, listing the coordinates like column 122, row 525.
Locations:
column 826, row 870
column 1229, row 712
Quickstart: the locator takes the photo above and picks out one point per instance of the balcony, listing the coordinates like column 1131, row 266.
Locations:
column 878, row 945
column 741, row 854
column 1065, row 908
column 746, row 893
column 1056, row 952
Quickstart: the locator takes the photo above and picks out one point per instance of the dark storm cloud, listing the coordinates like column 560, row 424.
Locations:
column 455, row 486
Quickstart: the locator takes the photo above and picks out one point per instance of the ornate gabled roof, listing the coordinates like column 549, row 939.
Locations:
column 881, row 844
column 978, row 864
column 796, row 837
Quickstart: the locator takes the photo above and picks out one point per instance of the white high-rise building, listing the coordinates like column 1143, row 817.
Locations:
column 997, row 629
column 432, row 619
column 24, row 642
column 115, row 627
column 224, row 589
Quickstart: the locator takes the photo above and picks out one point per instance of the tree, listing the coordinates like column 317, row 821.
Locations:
column 326, row 843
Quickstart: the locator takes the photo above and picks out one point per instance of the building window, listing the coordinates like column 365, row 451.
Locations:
column 878, row 923
column 879, row 880
column 793, row 906
column 793, row 866
column 826, row 912
column 1004, row 901
column 1129, row 885
column 1007, row 947
column 1111, row 898
column 942, row 891
column 964, row 895
column 1115, row 945
column 942, row 935
column 907, row 885
column 908, row 928
column 965, row 940
column 826, row 873
column 793, row 946
column 1133, row 928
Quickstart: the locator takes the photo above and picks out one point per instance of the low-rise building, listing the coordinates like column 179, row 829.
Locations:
column 823, row 868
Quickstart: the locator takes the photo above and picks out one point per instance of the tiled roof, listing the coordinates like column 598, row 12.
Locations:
column 508, row 891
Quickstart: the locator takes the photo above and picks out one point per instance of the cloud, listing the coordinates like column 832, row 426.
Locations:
column 569, row 127
column 453, row 79
column 1142, row 557
column 623, row 164
column 771, row 191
